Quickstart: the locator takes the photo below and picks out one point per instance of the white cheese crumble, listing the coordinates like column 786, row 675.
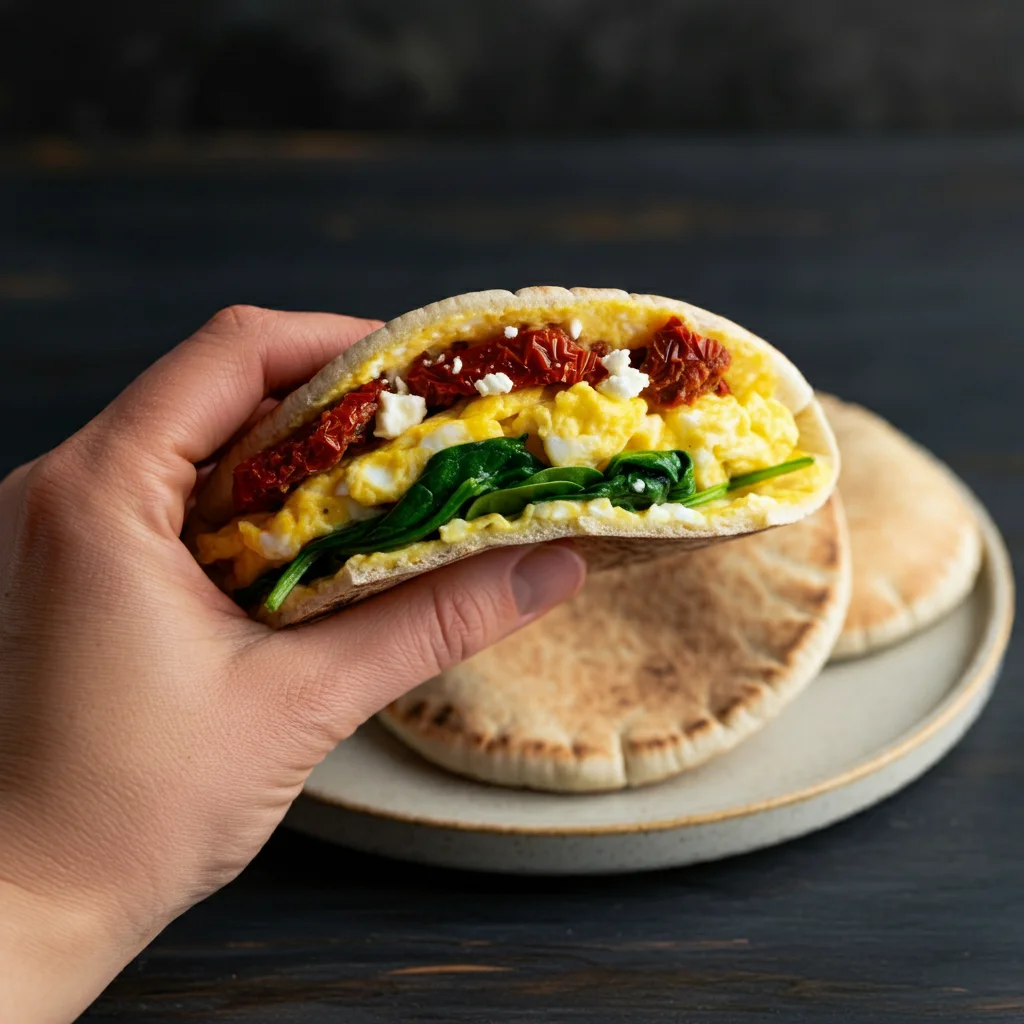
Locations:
column 575, row 328
column 397, row 413
column 396, row 383
column 511, row 332
column 623, row 381
column 494, row 384
column 457, row 364
column 639, row 486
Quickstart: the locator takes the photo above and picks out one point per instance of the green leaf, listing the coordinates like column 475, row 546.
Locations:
column 500, row 475
column 452, row 477
column 582, row 475
column 512, row 500
column 704, row 497
column 736, row 483
column 758, row 476
column 672, row 464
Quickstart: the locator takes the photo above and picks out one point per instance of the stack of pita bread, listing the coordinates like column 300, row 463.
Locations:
column 656, row 667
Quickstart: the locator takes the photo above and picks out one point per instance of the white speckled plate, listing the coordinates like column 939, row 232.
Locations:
column 861, row 731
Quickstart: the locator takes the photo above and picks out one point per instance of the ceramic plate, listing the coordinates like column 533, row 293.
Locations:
column 860, row 732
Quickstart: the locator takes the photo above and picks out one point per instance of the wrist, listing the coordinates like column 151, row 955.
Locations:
column 56, row 954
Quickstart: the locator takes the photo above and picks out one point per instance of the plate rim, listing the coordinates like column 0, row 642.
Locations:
column 997, row 570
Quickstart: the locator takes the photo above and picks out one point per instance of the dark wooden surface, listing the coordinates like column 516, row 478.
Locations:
column 892, row 273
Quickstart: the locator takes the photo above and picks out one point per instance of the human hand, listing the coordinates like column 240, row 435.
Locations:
column 151, row 735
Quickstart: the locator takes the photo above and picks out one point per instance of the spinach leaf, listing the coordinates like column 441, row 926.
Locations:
column 673, row 464
column 512, row 500
column 632, row 480
column 582, row 475
column 500, row 475
column 451, row 479
column 758, row 476
column 637, row 480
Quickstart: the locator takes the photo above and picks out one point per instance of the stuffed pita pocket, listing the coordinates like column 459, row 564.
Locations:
column 634, row 423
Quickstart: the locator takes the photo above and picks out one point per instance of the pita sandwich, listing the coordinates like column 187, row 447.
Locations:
column 915, row 543
column 650, row 670
column 636, row 424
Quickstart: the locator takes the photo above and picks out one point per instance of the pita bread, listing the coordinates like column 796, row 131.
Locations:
column 649, row 671
column 606, row 541
column 915, row 545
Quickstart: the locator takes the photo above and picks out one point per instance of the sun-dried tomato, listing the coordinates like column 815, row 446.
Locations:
column 682, row 365
column 545, row 355
column 262, row 481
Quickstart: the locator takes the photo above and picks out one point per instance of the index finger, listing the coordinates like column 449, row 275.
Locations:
column 194, row 399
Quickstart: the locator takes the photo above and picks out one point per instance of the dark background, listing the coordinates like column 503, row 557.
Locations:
column 845, row 178
column 562, row 67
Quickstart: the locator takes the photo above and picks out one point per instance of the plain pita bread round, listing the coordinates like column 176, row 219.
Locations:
column 606, row 542
column 915, row 544
column 649, row 671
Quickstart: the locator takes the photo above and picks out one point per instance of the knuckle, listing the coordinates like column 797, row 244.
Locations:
column 462, row 623
column 237, row 319
column 70, row 486
column 44, row 487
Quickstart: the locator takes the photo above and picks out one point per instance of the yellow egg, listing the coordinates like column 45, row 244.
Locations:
column 583, row 428
column 726, row 437
column 384, row 475
column 649, row 435
column 503, row 407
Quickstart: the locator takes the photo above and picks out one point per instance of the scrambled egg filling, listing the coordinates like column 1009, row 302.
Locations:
column 575, row 426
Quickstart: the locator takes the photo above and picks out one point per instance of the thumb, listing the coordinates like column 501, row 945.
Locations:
column 344, row 669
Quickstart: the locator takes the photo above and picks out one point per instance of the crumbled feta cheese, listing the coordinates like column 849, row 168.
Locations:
column 397, row 413
column 623, row 381
column 639, row 486
column 575, row 328
column 617, row 361
column 396, row 383
column 494, row 384
column 457, row 364
column 511, row 332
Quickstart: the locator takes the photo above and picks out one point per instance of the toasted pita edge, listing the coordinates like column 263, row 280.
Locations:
column 961, row 571
column 529, row 768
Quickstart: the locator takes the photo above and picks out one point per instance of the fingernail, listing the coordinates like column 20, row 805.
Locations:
column 548, row 574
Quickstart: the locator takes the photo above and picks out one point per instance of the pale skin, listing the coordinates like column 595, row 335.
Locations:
column 152, row 736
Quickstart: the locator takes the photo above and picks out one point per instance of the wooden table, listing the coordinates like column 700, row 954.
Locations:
column 892, row 272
